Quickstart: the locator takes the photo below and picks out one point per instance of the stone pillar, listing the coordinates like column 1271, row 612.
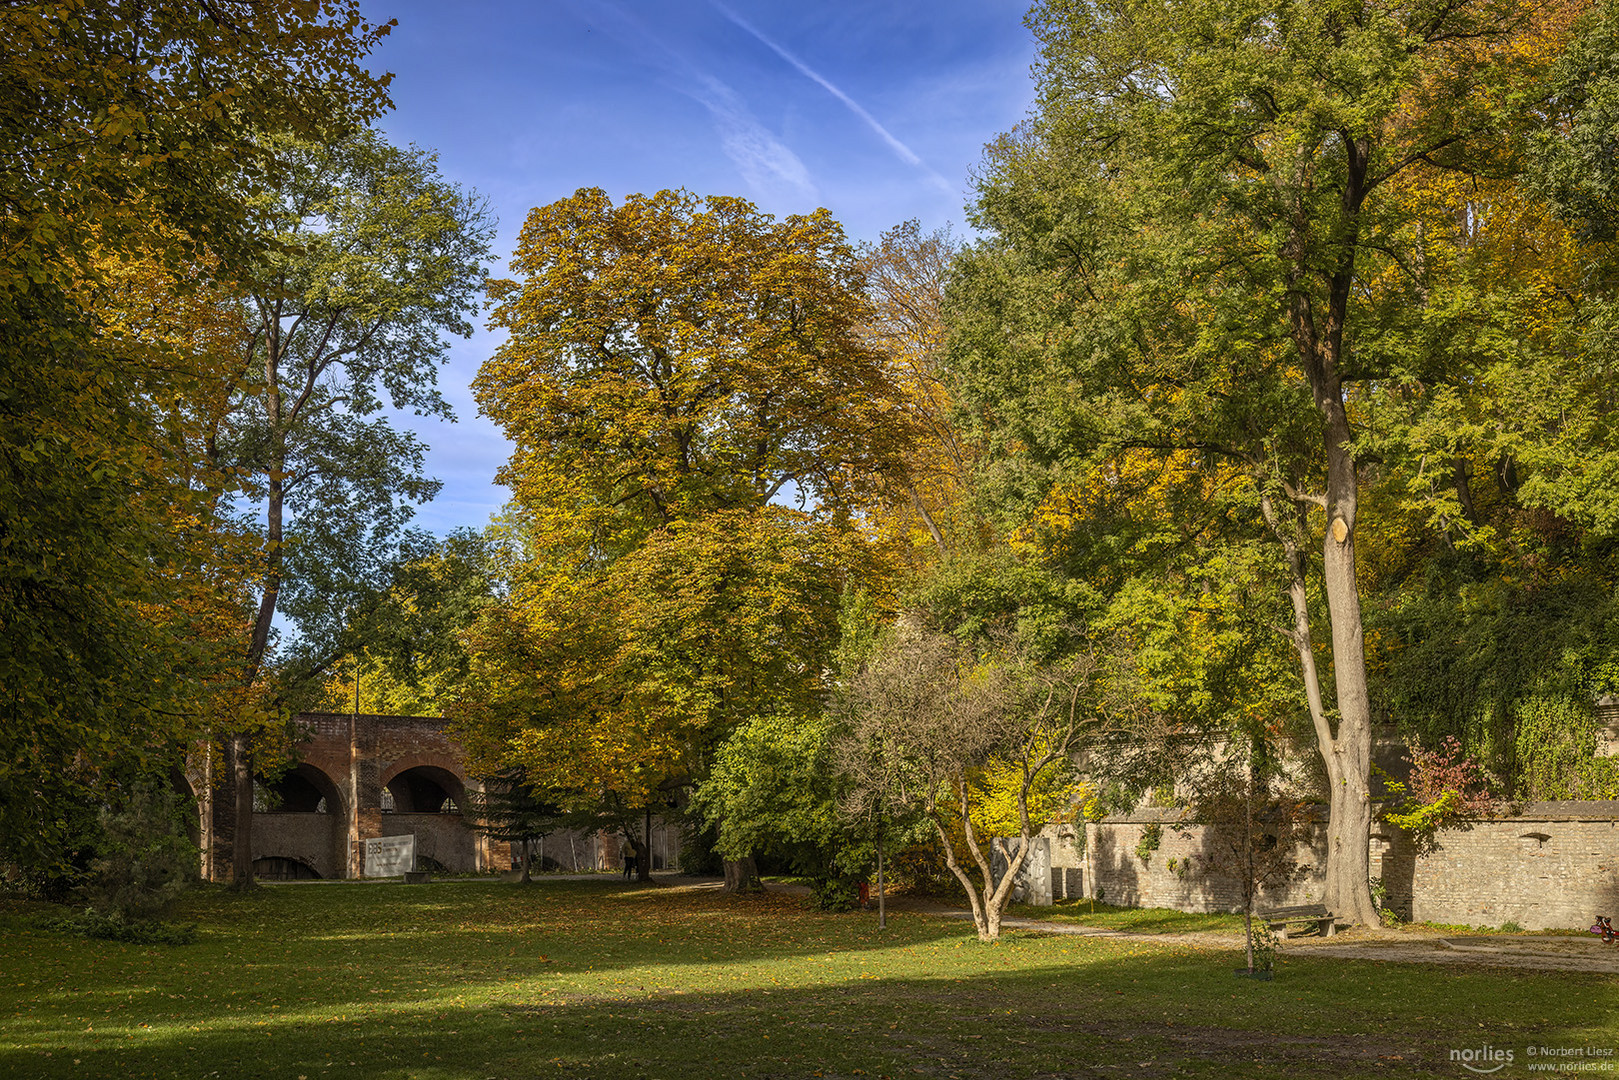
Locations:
column 1037, row 872
column 1088, row 884
column 351, row 795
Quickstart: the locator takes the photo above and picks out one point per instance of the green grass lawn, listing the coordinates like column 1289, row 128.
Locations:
column 599, row 978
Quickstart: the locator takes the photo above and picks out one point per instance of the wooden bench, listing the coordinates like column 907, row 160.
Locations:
column 1279, row 919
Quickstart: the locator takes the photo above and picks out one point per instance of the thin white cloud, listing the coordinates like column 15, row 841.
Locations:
column 903, row 152
column 761, row 158
column 765, row 162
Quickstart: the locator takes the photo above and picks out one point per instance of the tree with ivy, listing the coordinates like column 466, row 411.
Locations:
column 1206, row 253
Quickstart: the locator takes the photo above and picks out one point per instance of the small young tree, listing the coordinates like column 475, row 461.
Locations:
column 1253, row 827
column 929, row 721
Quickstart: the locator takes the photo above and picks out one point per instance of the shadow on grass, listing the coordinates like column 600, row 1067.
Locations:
column 476, row 982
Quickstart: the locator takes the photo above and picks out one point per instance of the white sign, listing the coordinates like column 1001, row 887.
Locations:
column 390, row 856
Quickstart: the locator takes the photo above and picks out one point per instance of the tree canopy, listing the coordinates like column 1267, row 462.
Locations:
column 674, row 356
column 134, row 137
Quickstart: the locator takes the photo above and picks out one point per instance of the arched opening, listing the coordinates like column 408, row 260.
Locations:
column 301, row 818
column 426, row 801
column 425, row 789
column 302, row 789
column 281, row 868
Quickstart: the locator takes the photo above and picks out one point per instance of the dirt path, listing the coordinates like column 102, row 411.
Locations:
column 1415, row 946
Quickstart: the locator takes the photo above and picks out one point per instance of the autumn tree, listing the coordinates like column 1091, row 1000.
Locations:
column 1183, row 238
column 133, row 135
column 617, row 687
column 1492, row 568
column 675, row 369
column 674, row 356
column 906, row 273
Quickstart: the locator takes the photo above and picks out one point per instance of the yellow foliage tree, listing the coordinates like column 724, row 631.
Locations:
column 675, row 368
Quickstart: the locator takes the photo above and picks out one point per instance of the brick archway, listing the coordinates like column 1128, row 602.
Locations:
column 351, row 760
column 439, row 763
column 425, row 789
column 309, row 825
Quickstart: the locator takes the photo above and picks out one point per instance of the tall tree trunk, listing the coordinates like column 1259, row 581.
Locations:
column 643, row 860
column 241, row 851
column 1318, row 335
column 1348, row 891
column 275, row 497
column 742, row 876
column 1344, row 760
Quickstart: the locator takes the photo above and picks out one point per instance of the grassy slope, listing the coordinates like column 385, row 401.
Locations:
column 480, row 980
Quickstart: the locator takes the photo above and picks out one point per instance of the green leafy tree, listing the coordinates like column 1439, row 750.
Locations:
column 414, row 656
column 772, row 791
column 377, row 260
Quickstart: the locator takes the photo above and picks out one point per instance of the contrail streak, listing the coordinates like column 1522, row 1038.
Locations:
column 905, row 153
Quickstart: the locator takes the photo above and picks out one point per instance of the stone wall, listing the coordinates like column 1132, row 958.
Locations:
column 1550, row 865
column 443, row 838
column 316, row 840
column 1554, row 864
column 1177, row 873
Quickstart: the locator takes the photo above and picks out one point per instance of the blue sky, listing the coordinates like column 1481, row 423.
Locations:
column 877, row 110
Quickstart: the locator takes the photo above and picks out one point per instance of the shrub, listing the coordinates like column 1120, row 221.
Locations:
column 1151, row 837
column 144, row 858
column 1447, row 789
column 835, row 893
column 94, row 924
